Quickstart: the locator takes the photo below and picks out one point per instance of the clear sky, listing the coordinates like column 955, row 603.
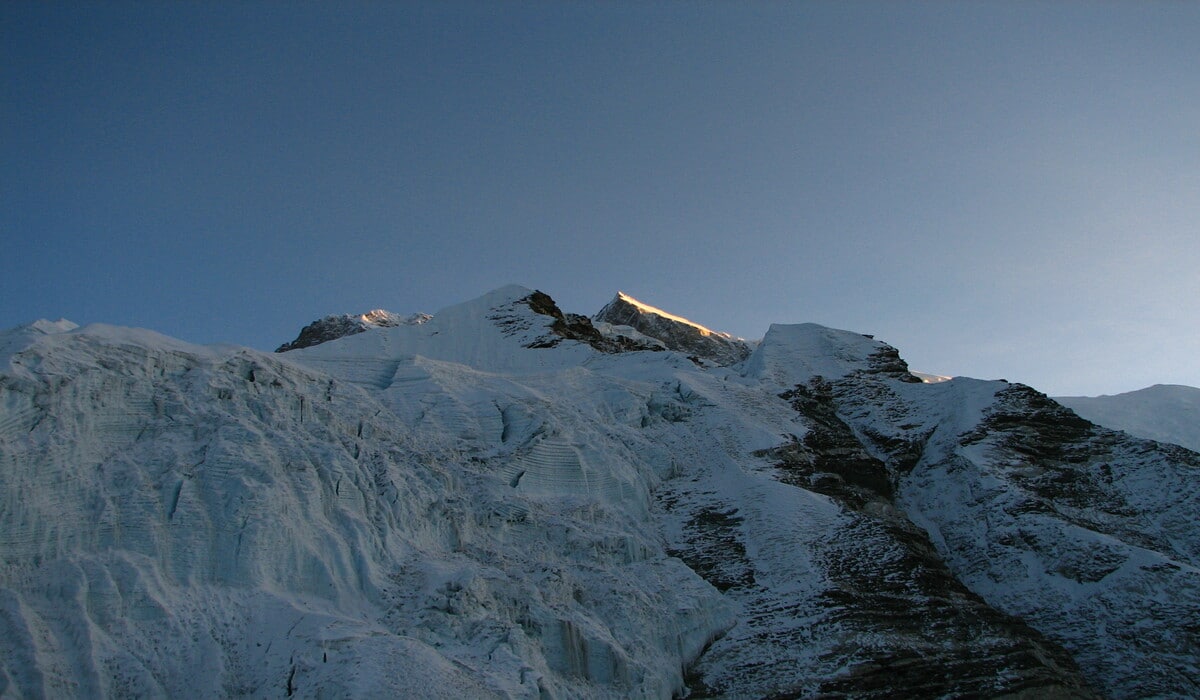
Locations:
column 1007, row 189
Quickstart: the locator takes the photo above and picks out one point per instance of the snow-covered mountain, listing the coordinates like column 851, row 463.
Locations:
column 1163, row 412
column 508, row 500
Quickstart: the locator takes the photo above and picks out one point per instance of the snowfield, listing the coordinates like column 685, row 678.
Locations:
column 504, row 500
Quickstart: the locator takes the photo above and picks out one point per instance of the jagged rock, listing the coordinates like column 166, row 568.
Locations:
column 578, row 327
column 1047, row 517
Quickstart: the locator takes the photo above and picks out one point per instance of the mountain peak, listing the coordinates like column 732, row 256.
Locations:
column 791, row 354
column 648, row 309
column 337, row 326
column 675, row 332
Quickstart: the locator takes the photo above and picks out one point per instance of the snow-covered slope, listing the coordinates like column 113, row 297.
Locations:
column 1163, row 412
column 512, row 501
column 181, row 521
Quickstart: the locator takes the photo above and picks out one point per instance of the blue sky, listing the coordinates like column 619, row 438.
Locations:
column 1006, row 189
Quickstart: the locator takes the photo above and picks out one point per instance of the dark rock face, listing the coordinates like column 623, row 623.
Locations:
column 333, row 327
column 577, row 327
column 1031, row 503
column 887, row 361
column 687, row 338
column 714, row 551
column 1064, row 469
column 830, row 459
column 858, row 535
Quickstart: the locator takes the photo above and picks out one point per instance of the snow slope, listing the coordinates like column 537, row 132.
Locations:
column 1163, row 412
column 511, row 501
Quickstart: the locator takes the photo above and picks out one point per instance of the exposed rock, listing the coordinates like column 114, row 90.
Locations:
column 931, row 636
column 578, row 327
column 333, row 327
column 1045, row 516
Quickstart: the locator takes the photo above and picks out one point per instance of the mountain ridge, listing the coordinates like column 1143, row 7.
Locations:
column 1163, row 412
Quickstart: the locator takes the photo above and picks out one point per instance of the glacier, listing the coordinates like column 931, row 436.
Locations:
column 507, row 500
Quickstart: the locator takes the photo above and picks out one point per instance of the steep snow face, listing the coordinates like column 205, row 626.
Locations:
column 179, row 520
column 672, row 331
column 1163, row 412
column 330, row 328
column 506, row 501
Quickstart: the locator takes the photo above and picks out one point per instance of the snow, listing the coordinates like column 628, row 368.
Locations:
column 793, row 354
column 669, row 331
column 931, row 378
column 609, row 330
column 646, row 308
column 490, row 333
column 1163, row 412
column 16, row 339
column 474, row 506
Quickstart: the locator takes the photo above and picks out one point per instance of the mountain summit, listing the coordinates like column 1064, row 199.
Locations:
column 508, row 500
column 675, row 332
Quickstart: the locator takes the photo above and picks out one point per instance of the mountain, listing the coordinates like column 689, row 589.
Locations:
column 674, row 332
column 509, row 500
column 333, row 327
column 1163, row 412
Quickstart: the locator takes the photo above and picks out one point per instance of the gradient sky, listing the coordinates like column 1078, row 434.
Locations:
column 1006, row 189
